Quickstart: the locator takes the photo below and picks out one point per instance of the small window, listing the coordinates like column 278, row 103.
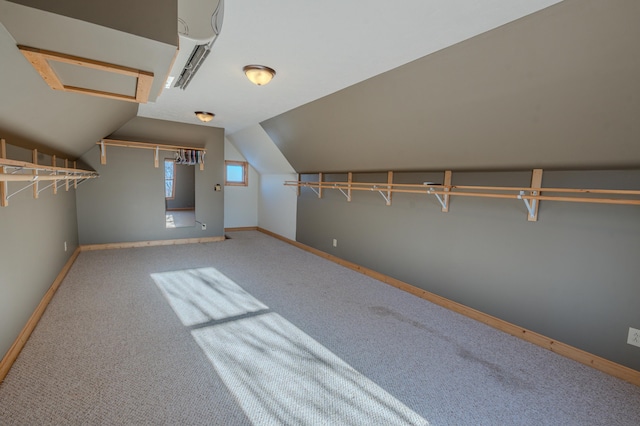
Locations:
column 169, row 179
column 236, row 173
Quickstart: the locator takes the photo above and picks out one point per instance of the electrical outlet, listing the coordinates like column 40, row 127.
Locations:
column 204, row 226
column 634, row 337
column 335, row 242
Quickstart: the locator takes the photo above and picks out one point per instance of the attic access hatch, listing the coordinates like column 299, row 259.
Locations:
column 72, row 74
column 94, row 50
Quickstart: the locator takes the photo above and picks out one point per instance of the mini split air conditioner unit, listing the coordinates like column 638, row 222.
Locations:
column 199, row 24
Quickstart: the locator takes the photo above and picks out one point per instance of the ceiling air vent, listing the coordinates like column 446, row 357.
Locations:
column 197, row 32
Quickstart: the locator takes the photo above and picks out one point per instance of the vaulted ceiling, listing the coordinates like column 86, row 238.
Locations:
column 417, row 85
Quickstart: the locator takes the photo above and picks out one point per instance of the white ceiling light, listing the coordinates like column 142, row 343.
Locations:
column 259, row 74
column 205, row 117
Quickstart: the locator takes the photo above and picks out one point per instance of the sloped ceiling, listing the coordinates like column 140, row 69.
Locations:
column 556, row 89
column 256, row 146
column 318, row 48
column 63, row 122
column 150, row 130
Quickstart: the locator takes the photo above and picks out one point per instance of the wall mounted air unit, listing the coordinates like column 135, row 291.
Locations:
column 199, row 24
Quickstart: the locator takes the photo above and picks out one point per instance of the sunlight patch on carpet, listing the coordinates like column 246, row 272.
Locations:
column 201, row 295
column 278, row 374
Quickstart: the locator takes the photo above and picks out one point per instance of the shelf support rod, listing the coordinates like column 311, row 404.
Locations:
column 66, row 181
column 447, row 188
column 536, row 184
column 389, row 182
column 53, row 163
column 3, row 185
column 35, row 173
column 103, row 153
column 156, row 156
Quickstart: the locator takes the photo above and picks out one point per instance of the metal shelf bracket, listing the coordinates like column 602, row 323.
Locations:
column 443, row 201
column 529, row 204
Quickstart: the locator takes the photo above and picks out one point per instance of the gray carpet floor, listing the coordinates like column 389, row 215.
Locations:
column 113, row 348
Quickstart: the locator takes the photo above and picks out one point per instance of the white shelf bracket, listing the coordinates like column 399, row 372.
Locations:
column 443, row 201
column 315, row 190
column 387, row 197
column 348, row 196
column 529, row 204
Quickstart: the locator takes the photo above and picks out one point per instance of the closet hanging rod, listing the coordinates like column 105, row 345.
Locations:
column 521, row 193
column 201, row 152
column 147, row 145
column 5, row 162
column 31, row 174
column 378, row 185
column 33, row 178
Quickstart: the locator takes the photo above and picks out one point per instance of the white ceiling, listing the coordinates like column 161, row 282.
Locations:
column 318, row 48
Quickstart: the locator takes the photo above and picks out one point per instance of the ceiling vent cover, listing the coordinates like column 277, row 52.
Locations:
column 192, row 28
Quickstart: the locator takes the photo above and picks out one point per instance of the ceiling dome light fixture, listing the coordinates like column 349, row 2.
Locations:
column 205, row 117
column 259, row 74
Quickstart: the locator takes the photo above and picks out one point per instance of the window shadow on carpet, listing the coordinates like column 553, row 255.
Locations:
column 278, row 373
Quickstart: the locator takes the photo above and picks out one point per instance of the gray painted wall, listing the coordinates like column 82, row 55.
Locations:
column 572, row 276
column 32, row 236
column 153, row 19
column 556, row 89
column 127, row 202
